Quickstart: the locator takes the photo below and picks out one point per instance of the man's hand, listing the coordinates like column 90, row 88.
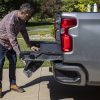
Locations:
column 23, row 61
column 34, row 48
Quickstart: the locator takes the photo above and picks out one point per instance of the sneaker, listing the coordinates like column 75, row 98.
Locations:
column 16, row 88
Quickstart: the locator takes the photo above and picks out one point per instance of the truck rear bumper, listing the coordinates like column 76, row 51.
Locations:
column 69, row 74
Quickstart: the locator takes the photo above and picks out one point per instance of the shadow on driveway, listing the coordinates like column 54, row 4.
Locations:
column 59, row 91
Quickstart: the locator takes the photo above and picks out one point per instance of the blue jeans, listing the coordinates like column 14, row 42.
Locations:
column 11, row 56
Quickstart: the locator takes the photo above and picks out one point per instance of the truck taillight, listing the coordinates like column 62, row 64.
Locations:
column 66, row 39
column 57, row 22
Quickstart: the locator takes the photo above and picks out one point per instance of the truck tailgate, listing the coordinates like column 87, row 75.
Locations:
column 48, row 51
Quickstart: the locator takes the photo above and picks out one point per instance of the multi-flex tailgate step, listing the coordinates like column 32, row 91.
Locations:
column 48, row 51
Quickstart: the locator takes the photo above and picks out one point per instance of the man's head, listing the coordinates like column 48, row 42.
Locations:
column 26, row 11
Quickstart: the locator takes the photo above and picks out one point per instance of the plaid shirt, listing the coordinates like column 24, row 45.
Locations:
column 10, row 26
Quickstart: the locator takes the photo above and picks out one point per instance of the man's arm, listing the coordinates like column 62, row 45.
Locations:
column 25, row 36
column 12, row 37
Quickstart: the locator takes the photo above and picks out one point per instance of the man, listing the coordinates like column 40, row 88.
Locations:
column 10, row 26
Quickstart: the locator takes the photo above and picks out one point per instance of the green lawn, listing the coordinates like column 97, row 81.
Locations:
column 38, row 30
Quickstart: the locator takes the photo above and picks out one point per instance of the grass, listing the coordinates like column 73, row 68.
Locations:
column 38, row 30
column 34, row 27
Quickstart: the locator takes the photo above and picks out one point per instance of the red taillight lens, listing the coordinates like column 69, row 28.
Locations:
column 66, row 39
column 66, row 43
column 67, row 23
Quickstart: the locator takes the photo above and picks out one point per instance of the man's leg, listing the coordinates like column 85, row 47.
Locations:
column 1, row 69
column 11, row 55
column 3, row 51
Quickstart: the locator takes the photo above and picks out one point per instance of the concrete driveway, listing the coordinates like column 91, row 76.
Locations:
column 42, row 86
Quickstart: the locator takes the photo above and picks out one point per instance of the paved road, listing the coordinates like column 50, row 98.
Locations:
column 42, row 86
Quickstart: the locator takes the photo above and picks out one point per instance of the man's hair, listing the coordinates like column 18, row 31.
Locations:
column 26, row 8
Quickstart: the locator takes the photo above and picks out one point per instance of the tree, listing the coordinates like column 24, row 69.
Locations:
column 77, row 5
column 3, row 8
column 69, row 5
column 8, row 5
column 49, row 7
column 82, row 5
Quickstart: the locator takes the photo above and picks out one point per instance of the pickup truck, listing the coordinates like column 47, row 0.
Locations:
column 75, row 53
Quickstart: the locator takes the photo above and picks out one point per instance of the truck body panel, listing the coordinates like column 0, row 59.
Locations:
column 86, row 47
